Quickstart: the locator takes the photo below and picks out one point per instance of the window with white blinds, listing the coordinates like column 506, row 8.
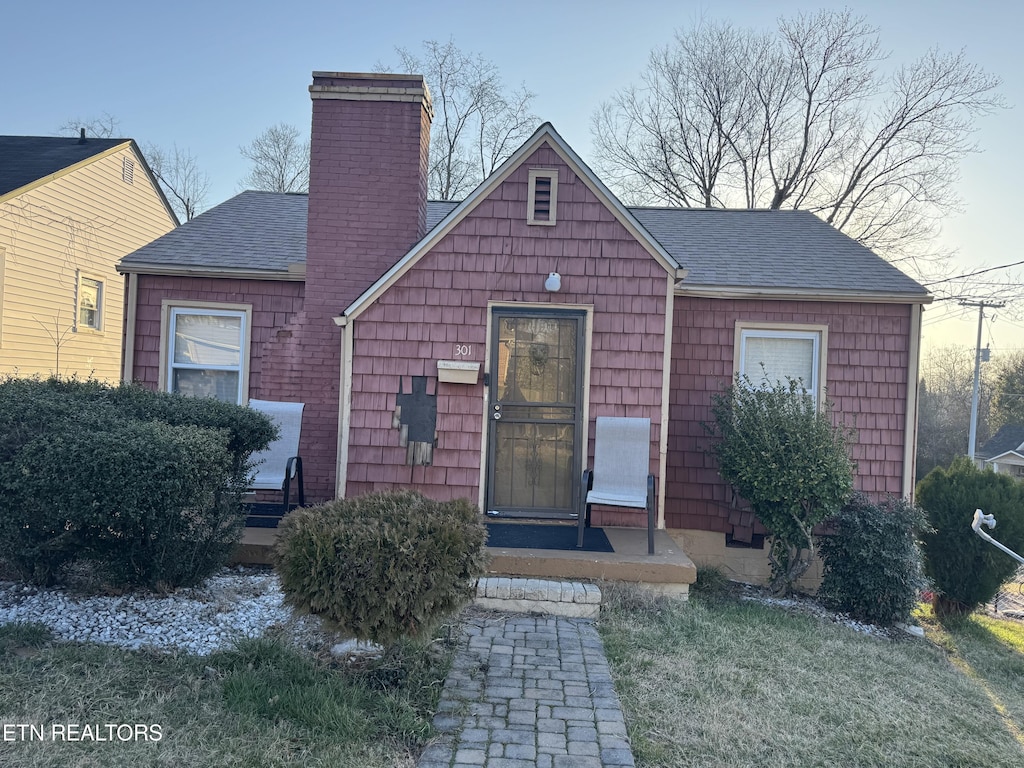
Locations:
column 767, row 357
column 205, row 349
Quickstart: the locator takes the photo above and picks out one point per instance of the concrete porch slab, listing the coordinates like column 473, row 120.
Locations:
column 668, row 571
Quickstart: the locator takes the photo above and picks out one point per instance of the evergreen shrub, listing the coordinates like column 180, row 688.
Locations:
column 966, row 571
column 381, row 566
column 122, row 479
column 872, row 563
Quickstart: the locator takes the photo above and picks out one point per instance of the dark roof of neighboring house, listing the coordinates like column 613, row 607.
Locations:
column 738, row 248
column 1010, row 437
column 26, row 159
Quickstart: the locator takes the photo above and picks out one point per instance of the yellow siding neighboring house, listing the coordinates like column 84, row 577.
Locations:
column 61, row 299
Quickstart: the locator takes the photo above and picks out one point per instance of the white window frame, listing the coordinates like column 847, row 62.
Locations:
column 100, row 297
column 171, row 310
column 817, row 334
column 531, row 197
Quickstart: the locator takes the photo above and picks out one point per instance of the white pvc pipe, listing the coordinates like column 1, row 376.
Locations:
column 981, row 518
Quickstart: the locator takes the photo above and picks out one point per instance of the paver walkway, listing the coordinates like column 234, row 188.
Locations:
column 529, row 691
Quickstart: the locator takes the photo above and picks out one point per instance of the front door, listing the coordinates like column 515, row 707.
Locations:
column 535, row 412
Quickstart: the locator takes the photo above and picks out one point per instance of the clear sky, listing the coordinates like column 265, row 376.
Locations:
column 210, row 76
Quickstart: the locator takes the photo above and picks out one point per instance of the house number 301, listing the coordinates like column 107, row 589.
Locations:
column 463, row 350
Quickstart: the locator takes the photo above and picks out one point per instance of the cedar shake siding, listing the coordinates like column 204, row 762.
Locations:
column 493, row 255
column 866, row 378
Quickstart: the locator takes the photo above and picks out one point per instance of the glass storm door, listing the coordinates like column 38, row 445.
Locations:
column 535, row 413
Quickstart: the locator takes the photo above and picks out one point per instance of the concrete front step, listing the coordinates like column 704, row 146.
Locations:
column 557, row 598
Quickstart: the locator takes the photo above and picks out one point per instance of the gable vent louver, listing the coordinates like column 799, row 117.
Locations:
column 542, row 200
column 543, row 196
column 127, row 170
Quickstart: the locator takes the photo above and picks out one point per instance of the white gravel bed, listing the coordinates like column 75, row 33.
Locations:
column 233, row 604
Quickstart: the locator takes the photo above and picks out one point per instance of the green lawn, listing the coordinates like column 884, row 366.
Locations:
column 722, row 682
column 261, row 704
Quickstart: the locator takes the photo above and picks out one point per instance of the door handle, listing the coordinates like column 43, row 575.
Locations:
column 496, row 412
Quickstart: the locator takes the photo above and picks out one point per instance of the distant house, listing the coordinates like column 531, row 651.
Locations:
column 465, row 348
column 1004, row 451
column 70, row 209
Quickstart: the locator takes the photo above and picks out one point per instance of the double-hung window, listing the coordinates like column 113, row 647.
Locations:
column 90, row 304
column 206, row 352
column 767, row 355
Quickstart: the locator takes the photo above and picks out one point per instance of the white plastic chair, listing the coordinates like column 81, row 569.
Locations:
column 620, row 476
column 279, row 463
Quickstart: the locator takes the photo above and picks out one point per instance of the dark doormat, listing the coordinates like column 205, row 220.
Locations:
column 534, row 536
column 263, row 515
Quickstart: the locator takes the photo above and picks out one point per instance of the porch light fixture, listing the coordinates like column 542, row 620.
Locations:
column 553, row 283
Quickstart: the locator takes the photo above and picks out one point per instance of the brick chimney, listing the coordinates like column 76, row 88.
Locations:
column 367, row 182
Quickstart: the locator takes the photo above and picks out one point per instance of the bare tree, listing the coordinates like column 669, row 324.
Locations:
column 280, row 160
column 477, row 124
column 104, row 126
column 944, row 406
column 802, row 118
column 1008, row 391
column 183, row 183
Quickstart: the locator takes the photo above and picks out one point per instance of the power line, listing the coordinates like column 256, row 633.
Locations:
column 971, row 274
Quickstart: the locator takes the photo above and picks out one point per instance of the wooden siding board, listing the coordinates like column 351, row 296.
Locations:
column 867, row 385
column 85, row 220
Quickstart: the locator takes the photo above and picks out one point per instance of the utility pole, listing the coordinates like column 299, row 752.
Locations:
column 972, row 440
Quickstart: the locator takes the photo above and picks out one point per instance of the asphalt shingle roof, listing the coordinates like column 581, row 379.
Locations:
column 1010, row 437
column 251, row 231
column 721, row 248
column 769, row 249
column 25, row 159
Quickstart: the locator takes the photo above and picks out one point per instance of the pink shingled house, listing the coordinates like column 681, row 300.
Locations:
column 465, row 349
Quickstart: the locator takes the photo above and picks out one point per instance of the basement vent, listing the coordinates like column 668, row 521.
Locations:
column 542, row 199
column 756, row 542
column 127, row 170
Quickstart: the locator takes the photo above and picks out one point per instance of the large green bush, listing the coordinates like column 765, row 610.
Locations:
column 872, row 563
column 144, row 486
column 381, row 566
column 965, row 570
column 783, row 454
column 30, row 406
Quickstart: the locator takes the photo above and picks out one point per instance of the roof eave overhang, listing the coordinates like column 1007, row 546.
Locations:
column 293, row 275
column 10, row 195
column 546, row 133
column 1003, row 455
column 798, row 294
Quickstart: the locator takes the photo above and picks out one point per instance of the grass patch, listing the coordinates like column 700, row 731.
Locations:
column 733, row 683
column 260, row 704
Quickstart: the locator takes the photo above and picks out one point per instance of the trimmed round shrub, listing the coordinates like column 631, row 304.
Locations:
column 872, row 563
column 144, row 486
column 247, row 430
column 29, row 407
column 145, row 503
column 966, row 571
column 381, row 566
